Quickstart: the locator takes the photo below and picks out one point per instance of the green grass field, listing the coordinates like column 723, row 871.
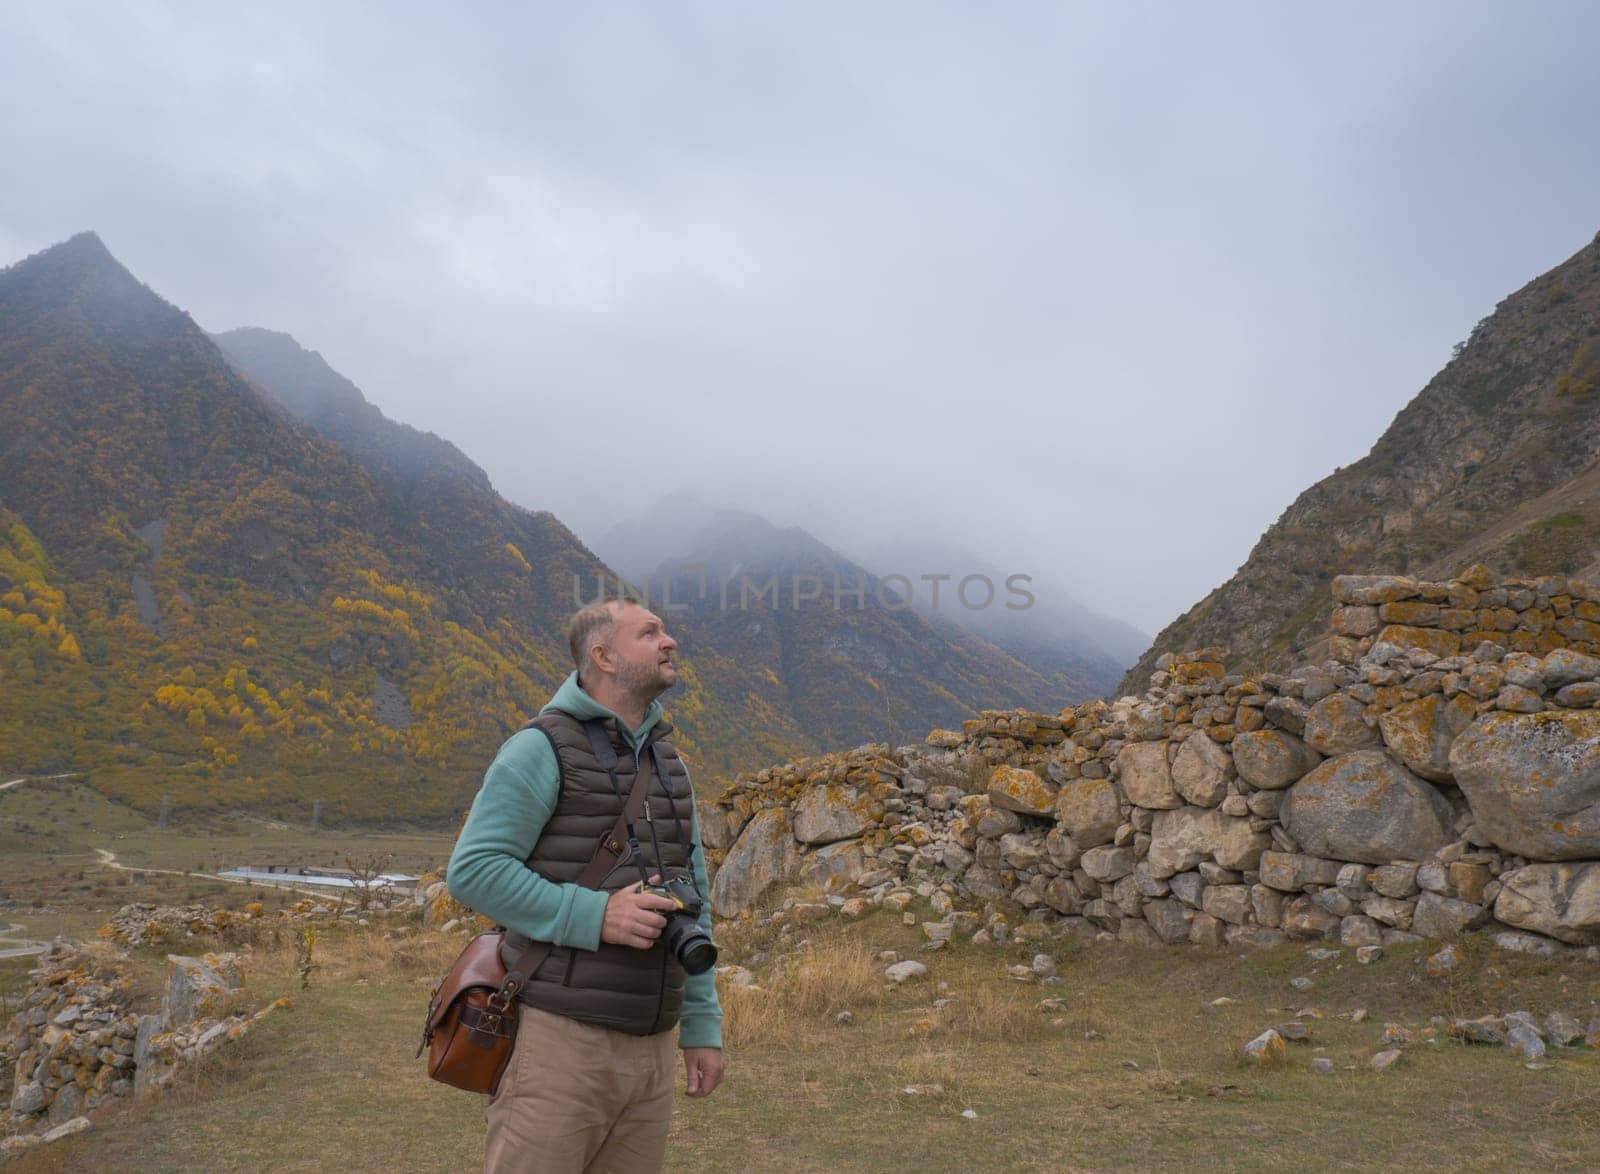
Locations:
column 1135, row 1069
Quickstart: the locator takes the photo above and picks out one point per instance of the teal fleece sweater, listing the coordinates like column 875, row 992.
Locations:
column 487, row 870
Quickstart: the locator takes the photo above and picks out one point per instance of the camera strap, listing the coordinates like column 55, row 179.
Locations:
column 606, row 755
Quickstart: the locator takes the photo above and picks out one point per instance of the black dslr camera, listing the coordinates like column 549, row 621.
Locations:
column 694, row 950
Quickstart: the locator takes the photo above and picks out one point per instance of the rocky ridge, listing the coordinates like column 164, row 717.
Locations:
column 1496, row 459
column 1439, row 773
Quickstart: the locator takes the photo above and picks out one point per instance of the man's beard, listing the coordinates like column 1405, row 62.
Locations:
column 644, row 680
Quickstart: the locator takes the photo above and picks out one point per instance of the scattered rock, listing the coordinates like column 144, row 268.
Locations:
column 1266, row 1048
column 1562, row 1029
column 1490, row 1029
column 1524, row 1041
column 1446, row 961
column 905, row 971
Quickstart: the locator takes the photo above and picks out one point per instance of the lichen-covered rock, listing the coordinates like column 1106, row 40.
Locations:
column 1088, row 810
column 1169, row 919
column 1144, row 775
column 1421, row 732
column 1106, row 864
column 1228, row 903
column 1445, row 917
column 833, row 865
column 1289, row 872
column 1182, row 837
column 1533, row 781
column 1272, row 759
column 1202, row 770
column 1370, row 590
column 829, row 812
column 1337, row 725
column 1410, row 638
column 1366, row 807
column 764, row 854
column 719, row 825
column 1566, row 666
column 1559, row 900
column 196, row 987
column 1022, row 791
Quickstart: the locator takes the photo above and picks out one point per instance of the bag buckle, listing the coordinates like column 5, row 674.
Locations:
column 506, row 994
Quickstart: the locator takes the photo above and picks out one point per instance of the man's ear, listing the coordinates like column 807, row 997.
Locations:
column 600, row 658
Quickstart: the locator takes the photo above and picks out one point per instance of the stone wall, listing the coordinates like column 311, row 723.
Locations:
column 77, row 1043
column 1440, row 773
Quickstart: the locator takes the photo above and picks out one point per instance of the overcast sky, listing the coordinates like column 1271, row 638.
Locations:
column 1095, row 290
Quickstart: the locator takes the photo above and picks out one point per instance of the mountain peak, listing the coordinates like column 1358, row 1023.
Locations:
column 82, row 255
column 80, row 279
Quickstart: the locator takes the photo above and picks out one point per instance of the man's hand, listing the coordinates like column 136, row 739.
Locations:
column 704, row 1069
column 632, row 917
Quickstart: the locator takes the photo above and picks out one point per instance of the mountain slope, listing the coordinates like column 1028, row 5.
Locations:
column 848, row 669
column 200, row 597
column 1494, row 460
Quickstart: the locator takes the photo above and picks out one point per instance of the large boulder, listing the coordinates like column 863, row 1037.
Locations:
column 1272, row 759
column 1181, row 838
column 1336, row 725
column 832, row 811
column 1089, row 812
column 1202, row 770
column 1365, row 806
column 1022, row 791
column 1421, row 732
column 764, row 854
column 1559, row 900
column 1146, row 780
column 1533, row 780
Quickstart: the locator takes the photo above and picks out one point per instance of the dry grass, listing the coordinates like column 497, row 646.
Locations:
column 835, row 974
column 997, row 1011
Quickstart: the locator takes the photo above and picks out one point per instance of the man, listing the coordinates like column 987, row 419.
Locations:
column 589, row 1085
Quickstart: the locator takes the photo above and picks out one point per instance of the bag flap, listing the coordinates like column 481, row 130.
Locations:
column 478, row 967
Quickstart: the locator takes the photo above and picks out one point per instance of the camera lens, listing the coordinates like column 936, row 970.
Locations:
column 695, row 952
column 698, row 957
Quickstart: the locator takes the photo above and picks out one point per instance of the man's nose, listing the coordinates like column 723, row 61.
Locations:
column 668, row 642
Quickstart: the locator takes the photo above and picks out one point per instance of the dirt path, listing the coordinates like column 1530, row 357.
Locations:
column 15, row 947
column 109, row 859
column 34, row 778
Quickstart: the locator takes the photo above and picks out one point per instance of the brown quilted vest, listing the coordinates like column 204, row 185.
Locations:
column 635, row 991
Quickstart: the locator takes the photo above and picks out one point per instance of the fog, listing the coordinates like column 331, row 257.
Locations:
column 1093, row 291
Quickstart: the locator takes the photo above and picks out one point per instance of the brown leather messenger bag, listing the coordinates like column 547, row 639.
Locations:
column 473, row 1014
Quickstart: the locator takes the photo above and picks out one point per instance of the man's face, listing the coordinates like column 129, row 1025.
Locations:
column 643, row 651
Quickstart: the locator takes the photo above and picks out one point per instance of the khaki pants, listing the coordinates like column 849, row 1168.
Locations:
column 579, row 1098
